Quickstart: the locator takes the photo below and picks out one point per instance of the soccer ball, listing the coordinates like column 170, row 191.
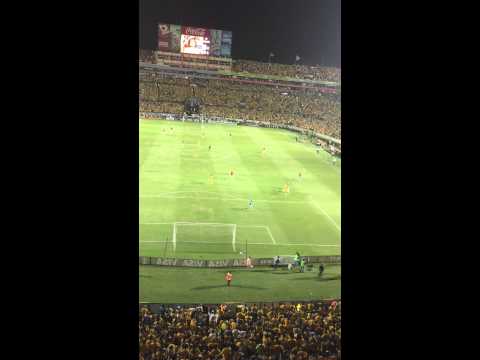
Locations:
column 241, row 252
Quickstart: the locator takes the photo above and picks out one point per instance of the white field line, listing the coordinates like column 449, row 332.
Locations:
column 157, row 223
column 251, row 226
column 174, row 237
column 224, row 199
column 253, row 243
column 202, row 223
column 233, row 237
column 267, row 228
column 326, row 215
column 270, row 233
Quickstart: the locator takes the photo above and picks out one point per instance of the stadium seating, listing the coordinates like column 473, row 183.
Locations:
column 147, row 56
column 232, row 332
column 294, row 71
column 283, row 70
column 308, row 109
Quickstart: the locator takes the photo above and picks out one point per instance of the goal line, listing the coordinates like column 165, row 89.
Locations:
column 177, row 226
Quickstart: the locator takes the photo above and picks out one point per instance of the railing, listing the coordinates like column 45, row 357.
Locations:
column 229, row 263
column 154, row 307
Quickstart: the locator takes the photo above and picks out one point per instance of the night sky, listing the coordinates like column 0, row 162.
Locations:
column 309, row 28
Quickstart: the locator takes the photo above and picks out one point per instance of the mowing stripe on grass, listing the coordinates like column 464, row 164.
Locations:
column 253, row 243
column 174, row 237
column 224, row 199
column 202, row 223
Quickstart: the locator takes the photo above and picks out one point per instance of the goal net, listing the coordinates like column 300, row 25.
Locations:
column 204, row 239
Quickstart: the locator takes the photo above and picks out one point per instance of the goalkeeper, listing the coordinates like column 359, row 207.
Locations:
column 296, row 259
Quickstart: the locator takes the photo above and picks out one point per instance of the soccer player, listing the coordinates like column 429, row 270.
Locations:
column 209, row 147
column 251, row 204
column 232, row 172
column 249, row 263
column 228, row 278
column 286, row 189
column 300, row 175
column 302, row 265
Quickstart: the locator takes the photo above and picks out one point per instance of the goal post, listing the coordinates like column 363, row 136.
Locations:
column 219, row 237
column 205, row 240
column 234, row 234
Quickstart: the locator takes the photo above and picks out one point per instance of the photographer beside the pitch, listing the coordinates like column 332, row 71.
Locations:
column 321, row 269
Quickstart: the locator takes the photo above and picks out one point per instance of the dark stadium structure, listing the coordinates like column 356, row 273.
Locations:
column 192, row 105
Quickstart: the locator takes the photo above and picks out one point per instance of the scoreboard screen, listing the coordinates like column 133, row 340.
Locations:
column 193, row 40
column 191, row 44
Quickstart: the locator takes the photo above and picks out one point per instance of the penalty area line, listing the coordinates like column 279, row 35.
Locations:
column 326, row 215
column 270, row 233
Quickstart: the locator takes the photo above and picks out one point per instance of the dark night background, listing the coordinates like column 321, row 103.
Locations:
column 72, row 167
column 309, row 28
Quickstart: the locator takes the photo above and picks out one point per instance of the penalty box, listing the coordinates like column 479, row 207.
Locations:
column 220, row 236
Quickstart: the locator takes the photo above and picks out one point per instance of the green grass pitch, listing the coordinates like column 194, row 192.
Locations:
column 207, row 286
column 191, row 207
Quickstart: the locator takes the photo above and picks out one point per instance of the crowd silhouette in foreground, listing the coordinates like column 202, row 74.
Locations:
column 305, row 331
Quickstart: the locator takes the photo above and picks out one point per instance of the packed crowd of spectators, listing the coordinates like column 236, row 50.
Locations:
column 294, row 71
column 284, row 70
column 256, row 332
column 308, row 109
column 147, row 56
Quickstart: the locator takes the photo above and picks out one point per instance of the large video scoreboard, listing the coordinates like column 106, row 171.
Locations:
column 192, row 40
